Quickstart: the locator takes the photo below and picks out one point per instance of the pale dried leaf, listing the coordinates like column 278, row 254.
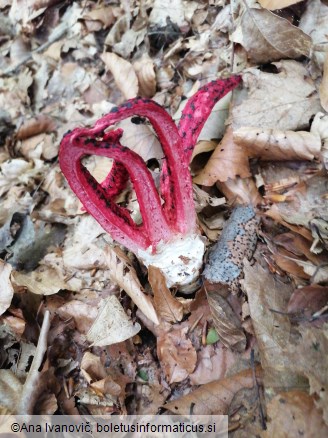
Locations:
column 141, row 140
column 290, row 108
column 227, row 161
column 167, row 307
column 273, row 5
column 203, row 199
column 163, row 9
column 323, row 89
column 213, row 398
column 267, row 37
column 271, row 144
column 123, row 273
column 6, row 288
column 112, row 324
column 10, row 390
column 314, row 23
column 123, row 72
column 43, row 281
column 293, row 414
column 144, row 69
column 320, row 127
column 104, row 14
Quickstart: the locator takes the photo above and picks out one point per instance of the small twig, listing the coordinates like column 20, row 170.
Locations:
column 262, row 418
column 30, row 386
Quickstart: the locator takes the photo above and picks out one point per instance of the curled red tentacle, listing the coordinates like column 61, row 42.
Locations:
column 114, row 219
column 198, row 109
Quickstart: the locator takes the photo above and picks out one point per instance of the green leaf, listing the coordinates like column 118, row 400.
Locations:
column 212, row 336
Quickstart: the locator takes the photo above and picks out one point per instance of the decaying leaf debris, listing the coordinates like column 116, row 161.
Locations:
column 84, row 325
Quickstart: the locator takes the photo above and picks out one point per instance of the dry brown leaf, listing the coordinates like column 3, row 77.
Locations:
column 285, row 101
column 112, row 324
column 271, row 144
column 267, row 296
column 144, row 69
column 176, row 354
column 92, row 367
column 309, row 358
column 240, row 191
column 323, row 89
column 267, row 37
column 227, row 161
column 273, row 5
column 213, row 362
column 167, row 307
column 124, row 74
column 294, row 414
column 226, row 322
column 213, row 398
column 83, row 314
column 6, row 288
column 36, row 125
column 123, row 273
column 308, row 300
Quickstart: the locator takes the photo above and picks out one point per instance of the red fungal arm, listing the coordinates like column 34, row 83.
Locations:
column 114, row 219
column 116, row 180
column 178, row 200
column 198, row 109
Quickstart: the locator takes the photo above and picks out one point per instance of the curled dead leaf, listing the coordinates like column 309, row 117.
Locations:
column 124, row 75
column 268, row 37
column 214, row 398
column 167, row 307
column 272, row 144
column 144, row 69
column 123, row 273
column 227, row 161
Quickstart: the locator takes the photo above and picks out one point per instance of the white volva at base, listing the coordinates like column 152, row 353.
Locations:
column 179, row 260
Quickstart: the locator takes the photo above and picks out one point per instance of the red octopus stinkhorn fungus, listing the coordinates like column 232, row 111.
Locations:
column 168, row 236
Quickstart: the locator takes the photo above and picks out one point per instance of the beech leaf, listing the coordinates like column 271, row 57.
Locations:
column 167, row 307
column 267, row 37
column 213, row 398
column 123, row 72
